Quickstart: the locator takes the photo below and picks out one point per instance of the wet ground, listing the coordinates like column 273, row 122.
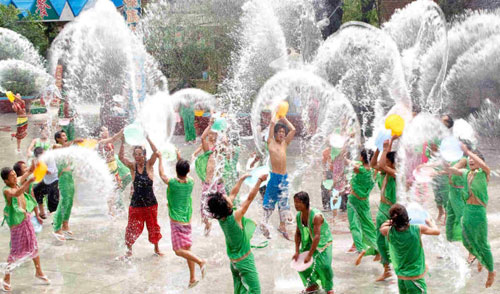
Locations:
column 89, row 265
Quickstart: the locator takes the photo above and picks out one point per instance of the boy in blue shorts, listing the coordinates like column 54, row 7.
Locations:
column 280, row 136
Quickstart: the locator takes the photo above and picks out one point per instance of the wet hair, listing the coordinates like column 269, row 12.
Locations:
column 38, row 151
column 182, row 168
column 17, row 168
column 302, row 197
column 479, row 154
column 218, row 206
column 391, row 156
column 366, row 155
column 416, row 108
column 5, row 173
column 140, row 148
column 278, row 127
column 58, row 135
column 448, row 122
column 399, row 217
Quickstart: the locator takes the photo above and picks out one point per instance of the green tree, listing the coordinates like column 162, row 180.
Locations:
column 30, row 27
column 360, row 10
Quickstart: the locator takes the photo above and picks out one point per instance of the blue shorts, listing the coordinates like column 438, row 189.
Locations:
column 277, row 192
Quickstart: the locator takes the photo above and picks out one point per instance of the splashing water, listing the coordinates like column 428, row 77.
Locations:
column 21, row 77
column 16, row 46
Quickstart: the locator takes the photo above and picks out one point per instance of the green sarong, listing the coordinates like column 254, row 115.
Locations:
column 383, row 215
column 358, row 212
column 454, row 212
column 66, row 192
column 321, row 272
column 245, row 276
column 412, row 286
column 200, row 165
column 474, row 220
column 187, row 114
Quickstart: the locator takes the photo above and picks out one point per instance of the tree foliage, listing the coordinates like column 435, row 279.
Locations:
column 30, row 27
column 360, row 10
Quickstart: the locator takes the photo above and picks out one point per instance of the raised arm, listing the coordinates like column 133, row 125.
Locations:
column 385, row 227
column 112, row 139
column 28, row 173
column 477, row 160
column 317, row 221
column 270, row 137
column 373, row 161
column 240, row 212
column 18, row 191
column 121, row 156
column 154, row 156
column 29, row 153
column 163, row 177
column 383, row 159
column 204, row 136
column 291, row 132
column 236, row 189
column 430, row 228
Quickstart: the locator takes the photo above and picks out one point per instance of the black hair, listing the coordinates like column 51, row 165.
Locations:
column 416, row 108
column 38, row 151
column 182, row 168
column 448, row 122
column 366, row 155
column 399, row 217
column 17, row 168
column 141, row 148
column 479, row 154
column 391, row 156
column 280, row 126
column 5, row 173
column 58, row 135
column 302, row 197
column 218, row 206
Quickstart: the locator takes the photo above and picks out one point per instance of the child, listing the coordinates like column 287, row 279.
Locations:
column 314, row 234
column 237, row 232
column 406, row 249
column 358, row 208
column 43, row 141
column 474, row 220
column 22, row 173
column 23, row 242
column 180, row 210
column 48, row 186
column 19, row 107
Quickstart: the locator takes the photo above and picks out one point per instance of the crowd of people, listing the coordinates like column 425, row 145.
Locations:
column 391, row 239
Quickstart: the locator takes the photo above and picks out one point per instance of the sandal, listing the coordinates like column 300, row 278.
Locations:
column 6, row 287
column 59, row 237
column 284, row 234
column 203, row 270
column 43, row 216
column 191, row 285
column 43, row 279
column 68, row 235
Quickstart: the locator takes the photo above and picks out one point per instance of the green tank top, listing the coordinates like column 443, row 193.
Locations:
column 362, row 182
column 307, row 232
column 180, row 202
column 237, row 239
column 407, row 253
column 39, row 143
column 479, row 185
column 12, row 213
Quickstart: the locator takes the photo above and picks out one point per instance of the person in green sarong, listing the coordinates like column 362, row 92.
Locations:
column 406, row 249
column 387, row 185
column 313, row 235
column 66, row 193
column 187, row 114
column 474, row 220
column 238, row 231
column 358, row 208
column 456, row 203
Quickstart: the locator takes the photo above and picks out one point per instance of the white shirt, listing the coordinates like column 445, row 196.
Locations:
column 52, row 168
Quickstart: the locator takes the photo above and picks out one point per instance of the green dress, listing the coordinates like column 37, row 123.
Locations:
column 67, row 192
column 180, row 202
column 474, row 221
column 200, row 165
column 383, row 214
column 187, row 114
column 321, row 272
column 407, row 255
column 245, row 275
column 358, row 212
column 455, row 207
